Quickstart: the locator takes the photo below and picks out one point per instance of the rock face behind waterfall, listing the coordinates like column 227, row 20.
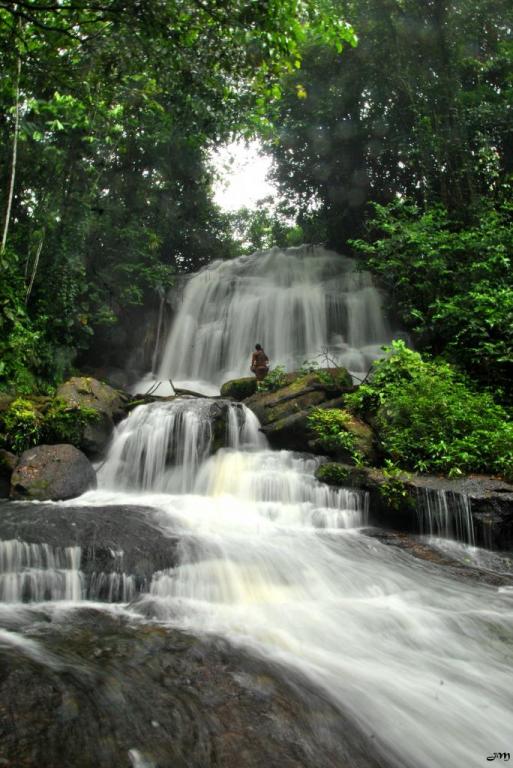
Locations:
column 124, row 694
column 52, row 472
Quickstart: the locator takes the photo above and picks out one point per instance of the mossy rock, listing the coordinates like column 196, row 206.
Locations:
column 109, row 404
column 239, row 389
column 52, row 472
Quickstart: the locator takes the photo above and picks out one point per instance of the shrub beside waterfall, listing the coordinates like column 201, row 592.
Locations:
column 429, row 418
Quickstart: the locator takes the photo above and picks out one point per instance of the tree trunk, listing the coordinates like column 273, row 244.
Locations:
column 14, row 158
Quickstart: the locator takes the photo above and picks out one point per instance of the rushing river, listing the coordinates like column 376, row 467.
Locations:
column 281, row 566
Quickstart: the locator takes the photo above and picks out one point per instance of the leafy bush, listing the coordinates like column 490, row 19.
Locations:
column 275, row 379
column 25, row 423
column 332, row 474
column 330, row 427
column 334, row 377
column 393, row 490
column 451, row 284
column 430, row 419
column 22, row 426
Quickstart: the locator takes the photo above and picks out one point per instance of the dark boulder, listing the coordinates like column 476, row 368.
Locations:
column 127, row 541
column 239, row 389
column 102, row 690
column 284, row 413
column 52, row 472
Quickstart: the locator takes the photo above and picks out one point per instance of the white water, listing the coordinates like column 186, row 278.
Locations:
column 295, row 302
column 36, row 572
column 275, row 561
column 445, row 514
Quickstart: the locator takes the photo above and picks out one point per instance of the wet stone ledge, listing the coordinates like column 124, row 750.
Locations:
column 119, row 547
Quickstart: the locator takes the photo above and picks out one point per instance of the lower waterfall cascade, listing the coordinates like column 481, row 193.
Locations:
column 280, row 564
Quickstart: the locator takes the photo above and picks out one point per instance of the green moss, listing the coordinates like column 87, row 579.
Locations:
column 65, row 423
column 332, row 474
column 21, row 426
column 27, row 423
column 239, row 389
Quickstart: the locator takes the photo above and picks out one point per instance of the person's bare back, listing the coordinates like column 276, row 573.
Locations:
column 259, row 363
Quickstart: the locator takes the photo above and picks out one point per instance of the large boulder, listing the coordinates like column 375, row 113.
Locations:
column 52, row 472
column 239, row 389
column 92, row 688
column 121, row 546
column 108, row 403
column 284, row 413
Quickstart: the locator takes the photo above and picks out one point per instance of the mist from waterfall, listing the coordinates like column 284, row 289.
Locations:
column 296, row 302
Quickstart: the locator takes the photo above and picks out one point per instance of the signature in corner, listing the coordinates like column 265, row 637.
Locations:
column 499, row 756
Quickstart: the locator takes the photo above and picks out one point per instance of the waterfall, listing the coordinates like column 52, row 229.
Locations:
column 445, row 515
column 162, row 446
column 274, row 561
column 295, row 302
column 37, row 572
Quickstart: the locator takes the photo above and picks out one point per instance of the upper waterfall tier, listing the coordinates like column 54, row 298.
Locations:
column 295, row 302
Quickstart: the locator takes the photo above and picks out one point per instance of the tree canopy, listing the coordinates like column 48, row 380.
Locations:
column 108, row 109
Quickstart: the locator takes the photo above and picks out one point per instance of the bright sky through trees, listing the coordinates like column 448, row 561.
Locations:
column 242, row 175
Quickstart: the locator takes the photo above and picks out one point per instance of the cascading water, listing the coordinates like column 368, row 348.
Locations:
column 37, row 572
column 296, row 302
column 446, row 515
column 162, row 446
column 278, row 563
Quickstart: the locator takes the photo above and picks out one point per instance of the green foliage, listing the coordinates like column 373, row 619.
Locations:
column 332, row 474
column 332, row 377
column 275, row 379
column 329, row 425
column 393, row 491
column 420, row 108
column 452, row 285
column 264, row 227
column 22, row 426
column 65, row 424
column 430, row 419
column 27, row 423
column 113, row 190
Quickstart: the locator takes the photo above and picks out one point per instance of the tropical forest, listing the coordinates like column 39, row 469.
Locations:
column 256, row 383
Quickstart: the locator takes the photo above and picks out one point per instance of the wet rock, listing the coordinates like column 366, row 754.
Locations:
column 52, row 472
column 8, row 462
column 93, row 689
column 239, row 389
column 396, row 501
column 108, row 403
column 5, row 401
column 115, row 539
column 424, row 551
column 283, row 413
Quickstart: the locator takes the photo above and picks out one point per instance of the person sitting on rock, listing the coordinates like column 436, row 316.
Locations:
column 259, row 363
